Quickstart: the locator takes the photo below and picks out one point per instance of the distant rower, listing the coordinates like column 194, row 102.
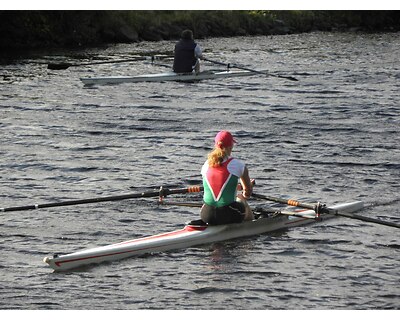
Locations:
column 187, row 54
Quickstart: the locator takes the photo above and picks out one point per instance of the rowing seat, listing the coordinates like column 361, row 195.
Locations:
column 198, row 222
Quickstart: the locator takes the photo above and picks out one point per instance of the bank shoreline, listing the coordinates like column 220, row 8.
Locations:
column 30, row 30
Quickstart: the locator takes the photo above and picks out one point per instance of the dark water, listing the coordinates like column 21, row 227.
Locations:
column 333, row 136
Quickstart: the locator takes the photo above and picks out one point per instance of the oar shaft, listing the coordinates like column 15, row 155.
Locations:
column 162, row 192
column 81, row 201
column 111, row 61
column 230, row 65
column 217, row 62
column 368, row 219
column 66, row 65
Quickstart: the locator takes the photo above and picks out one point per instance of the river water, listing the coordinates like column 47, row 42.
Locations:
column 333, row 136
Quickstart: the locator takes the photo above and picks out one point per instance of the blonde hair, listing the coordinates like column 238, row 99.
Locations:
column 217, row 156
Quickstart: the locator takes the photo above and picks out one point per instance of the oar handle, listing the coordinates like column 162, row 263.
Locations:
column 192, row 189
column 316, row 207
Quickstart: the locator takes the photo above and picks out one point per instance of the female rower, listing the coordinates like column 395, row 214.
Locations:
column 221, row 174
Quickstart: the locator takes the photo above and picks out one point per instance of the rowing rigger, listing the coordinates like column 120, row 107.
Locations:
column 193, row 234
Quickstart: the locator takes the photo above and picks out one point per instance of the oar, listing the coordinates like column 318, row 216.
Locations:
column 161, row 193
column 318, row 208
column 66, row 65
column 230, row 65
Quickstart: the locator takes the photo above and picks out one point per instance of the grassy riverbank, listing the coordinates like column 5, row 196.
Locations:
column 52, row 29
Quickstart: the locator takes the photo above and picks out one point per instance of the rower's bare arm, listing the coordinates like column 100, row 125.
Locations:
column 246, row 183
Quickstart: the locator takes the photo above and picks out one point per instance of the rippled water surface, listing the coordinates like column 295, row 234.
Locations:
column 333, row 137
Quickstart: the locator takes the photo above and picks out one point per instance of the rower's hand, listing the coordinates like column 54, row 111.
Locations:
column 241, row 198
column 246, row 194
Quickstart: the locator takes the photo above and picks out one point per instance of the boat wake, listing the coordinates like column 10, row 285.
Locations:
column 383, row 203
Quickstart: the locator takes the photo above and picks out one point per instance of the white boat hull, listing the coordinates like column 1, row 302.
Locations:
column 187, row 237
column 167, row 76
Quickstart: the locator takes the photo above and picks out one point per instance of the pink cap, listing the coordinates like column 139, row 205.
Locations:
column 224, row 139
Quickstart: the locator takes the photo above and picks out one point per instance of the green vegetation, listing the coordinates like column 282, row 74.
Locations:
column 50, row 29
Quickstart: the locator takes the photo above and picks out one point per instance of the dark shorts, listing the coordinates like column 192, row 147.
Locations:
column 233, row 213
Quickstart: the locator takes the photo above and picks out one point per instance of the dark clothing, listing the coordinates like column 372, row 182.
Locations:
column 232, row 213
column 185, row 58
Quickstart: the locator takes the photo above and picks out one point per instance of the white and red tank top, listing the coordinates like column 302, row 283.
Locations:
column 220, row 183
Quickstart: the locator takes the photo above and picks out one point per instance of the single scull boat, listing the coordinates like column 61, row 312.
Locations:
column 167, row 76
column 190, row 235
